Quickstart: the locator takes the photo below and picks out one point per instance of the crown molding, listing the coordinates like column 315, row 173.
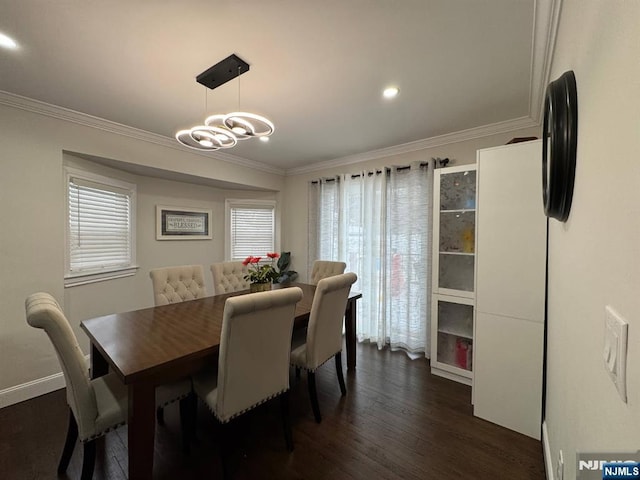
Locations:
column 545, row 29
column 68, row 115
column 446, row 139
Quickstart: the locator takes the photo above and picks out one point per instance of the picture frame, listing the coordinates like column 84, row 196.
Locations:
column 182, row 223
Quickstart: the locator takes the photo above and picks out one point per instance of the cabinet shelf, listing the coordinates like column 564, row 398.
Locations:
column 452, row 372
column 456, row 332
column 459, row 210
column 458, row 253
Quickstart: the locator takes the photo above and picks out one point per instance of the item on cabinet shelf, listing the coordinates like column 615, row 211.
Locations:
column 468, row 240
column 446, row 349
column 463, row 353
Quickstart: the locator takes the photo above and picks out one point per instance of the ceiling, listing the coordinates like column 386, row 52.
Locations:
column 317, row 68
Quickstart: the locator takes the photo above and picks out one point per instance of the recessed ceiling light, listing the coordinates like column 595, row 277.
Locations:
column 390, row 92
column 264, row 139
column 7, row 42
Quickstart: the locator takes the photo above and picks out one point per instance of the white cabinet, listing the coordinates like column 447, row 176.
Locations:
column 510, row 287
column 452, row 319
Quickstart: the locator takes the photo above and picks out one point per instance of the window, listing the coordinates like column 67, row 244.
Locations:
column 250, row 227
column 100, row 231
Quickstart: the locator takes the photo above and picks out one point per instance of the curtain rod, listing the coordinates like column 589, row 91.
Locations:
column 397, row 168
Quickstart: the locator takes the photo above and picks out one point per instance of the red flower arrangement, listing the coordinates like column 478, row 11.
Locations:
column 261, row 273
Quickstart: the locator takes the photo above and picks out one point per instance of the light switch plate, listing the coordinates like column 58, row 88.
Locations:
column 615, row 350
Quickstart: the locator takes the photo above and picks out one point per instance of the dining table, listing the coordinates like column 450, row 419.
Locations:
column 157, row 345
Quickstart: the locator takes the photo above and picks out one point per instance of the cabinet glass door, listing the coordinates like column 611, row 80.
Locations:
column 457, row 225
column 455, row 334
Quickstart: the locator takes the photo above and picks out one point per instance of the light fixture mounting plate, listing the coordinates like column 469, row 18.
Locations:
column 228, row 69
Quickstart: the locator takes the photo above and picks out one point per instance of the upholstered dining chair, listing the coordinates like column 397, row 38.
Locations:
column 174, row 285
column 253, row 364
column 96, row 406
column 229, row 277
column 324, row 268
column 324, row 333
column 177, row 284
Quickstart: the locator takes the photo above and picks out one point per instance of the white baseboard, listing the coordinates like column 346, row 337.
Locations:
column 546, row 450
column 35, row 388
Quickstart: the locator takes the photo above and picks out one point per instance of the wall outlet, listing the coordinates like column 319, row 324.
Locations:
column 560, row 467
column 615, row 350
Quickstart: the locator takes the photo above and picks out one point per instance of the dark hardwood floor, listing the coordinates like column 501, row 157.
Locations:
column 397, row 422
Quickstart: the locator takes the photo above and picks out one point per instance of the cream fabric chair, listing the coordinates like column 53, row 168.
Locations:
column 229, row 277
column 253, row 364
column 324, row 333
column 177, row 284
column 324, row 268
column 98, row 405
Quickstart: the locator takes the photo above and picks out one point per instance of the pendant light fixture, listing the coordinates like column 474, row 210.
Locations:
column 224, row 130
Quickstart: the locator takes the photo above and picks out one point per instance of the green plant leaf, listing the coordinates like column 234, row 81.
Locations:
column 284, row 261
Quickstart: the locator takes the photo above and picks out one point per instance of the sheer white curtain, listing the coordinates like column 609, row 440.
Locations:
column 408, row 257
column 380, row 224
column 362, row 246
column 324, row 220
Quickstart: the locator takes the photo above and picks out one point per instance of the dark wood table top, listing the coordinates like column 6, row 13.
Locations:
column 142, row 343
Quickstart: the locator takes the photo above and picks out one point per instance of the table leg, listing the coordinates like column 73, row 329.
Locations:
column 99, row 365
column 142, row 424
column 350, row 334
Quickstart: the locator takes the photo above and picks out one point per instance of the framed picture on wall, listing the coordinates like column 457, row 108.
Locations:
column 181, row 223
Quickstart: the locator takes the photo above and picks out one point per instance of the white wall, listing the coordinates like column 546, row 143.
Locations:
column 594, row 256
column 33, row 219
column 86, row 301
column 295, row 206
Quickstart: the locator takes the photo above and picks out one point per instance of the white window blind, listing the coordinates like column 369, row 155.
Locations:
column 252, row 230
column 99, row 231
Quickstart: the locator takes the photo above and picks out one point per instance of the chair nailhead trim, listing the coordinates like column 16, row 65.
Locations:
column 246, row 409
column 314, row 369
column 102, row 433
column 173, row 400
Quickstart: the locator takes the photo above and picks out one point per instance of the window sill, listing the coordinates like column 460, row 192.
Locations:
column 74, row 280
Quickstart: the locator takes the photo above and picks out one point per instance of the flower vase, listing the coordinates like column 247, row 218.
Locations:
column 260, row 287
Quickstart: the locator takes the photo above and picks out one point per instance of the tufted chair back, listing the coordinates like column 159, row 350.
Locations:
column 229, row 277
column 44, row 312
column 177, row 284
column 323, row 269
